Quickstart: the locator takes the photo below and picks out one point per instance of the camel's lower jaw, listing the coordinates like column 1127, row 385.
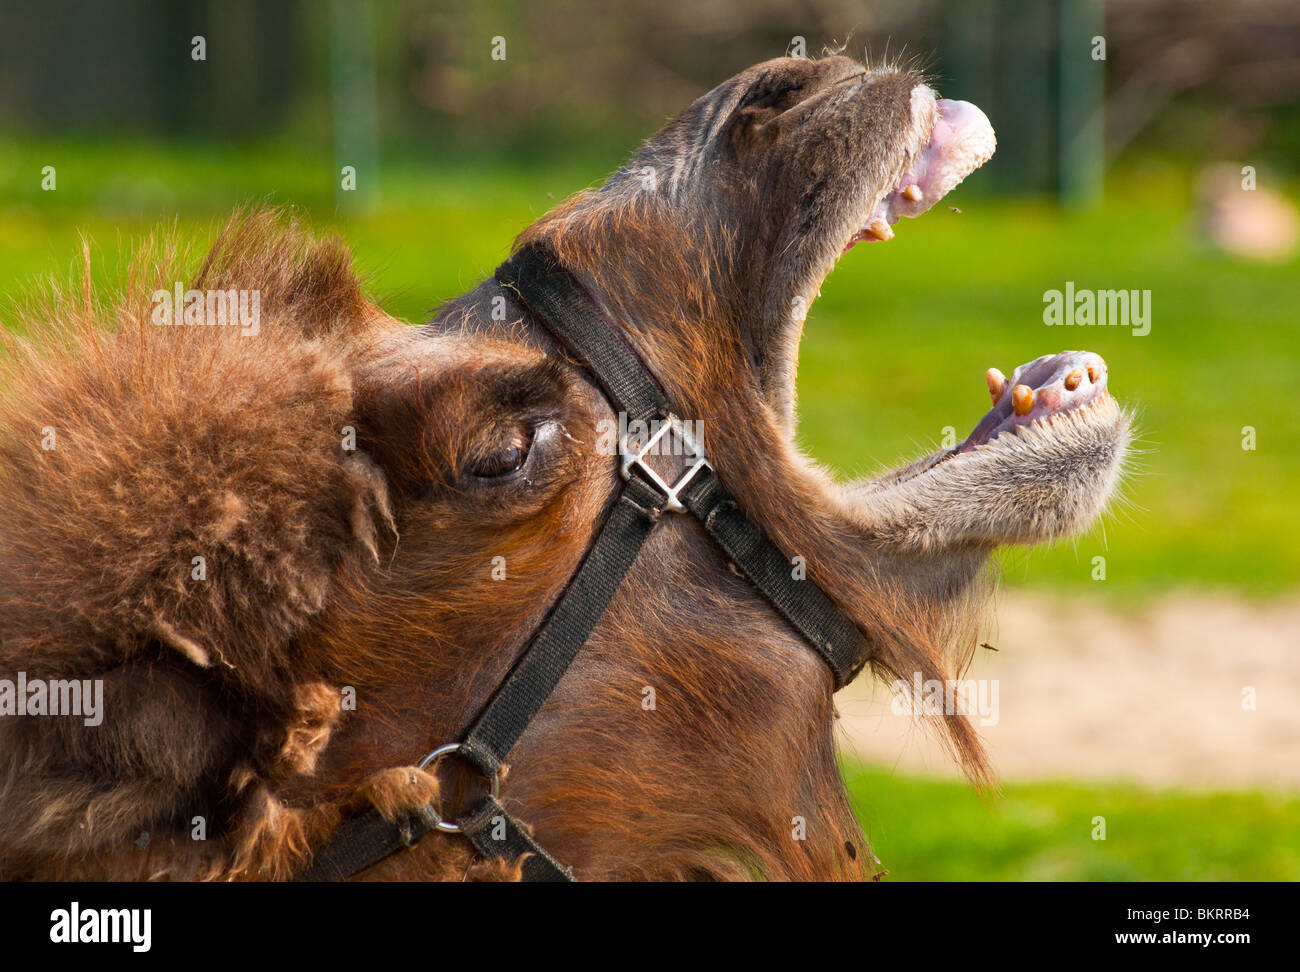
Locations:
column 1041, row 390
column 1042, row 405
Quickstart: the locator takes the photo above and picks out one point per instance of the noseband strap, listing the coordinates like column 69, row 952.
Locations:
column 561, row 303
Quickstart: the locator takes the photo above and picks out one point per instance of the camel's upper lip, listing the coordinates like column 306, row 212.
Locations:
column 961, row 140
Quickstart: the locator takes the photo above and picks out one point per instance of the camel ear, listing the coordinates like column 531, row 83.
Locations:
column 748, row 131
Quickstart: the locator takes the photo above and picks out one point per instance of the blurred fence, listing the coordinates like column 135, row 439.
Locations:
column 507, row 76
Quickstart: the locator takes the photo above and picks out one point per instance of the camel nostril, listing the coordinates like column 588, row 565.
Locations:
column 1073, row 378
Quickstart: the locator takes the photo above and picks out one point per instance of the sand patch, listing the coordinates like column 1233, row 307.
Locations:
column 1153, row 696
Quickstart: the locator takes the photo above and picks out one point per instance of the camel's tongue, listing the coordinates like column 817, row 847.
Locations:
column 961, row 142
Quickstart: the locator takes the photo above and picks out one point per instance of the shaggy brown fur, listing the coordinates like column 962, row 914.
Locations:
column 332, row 573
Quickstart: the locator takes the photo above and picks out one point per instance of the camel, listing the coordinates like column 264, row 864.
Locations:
column 297, row 556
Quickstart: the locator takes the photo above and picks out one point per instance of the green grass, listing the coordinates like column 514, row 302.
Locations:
column 933, row 830
column 894, row 351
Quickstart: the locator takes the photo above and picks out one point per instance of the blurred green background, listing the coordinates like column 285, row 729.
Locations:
column 1105, row 176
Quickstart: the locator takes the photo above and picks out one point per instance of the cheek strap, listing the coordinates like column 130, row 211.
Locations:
column 560, row 302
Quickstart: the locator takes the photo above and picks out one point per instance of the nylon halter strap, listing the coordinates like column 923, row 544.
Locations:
column 569, row 313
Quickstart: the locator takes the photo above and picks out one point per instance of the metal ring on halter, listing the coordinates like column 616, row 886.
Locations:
column 433, row 757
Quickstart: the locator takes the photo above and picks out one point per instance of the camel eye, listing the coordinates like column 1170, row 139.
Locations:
column 507, row 459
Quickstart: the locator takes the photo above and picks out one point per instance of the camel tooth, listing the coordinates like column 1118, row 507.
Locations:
column 1022, row 398
column 997, row 383
column 879, row 228
column 913, row 193
column 1094, row 371
column 1073, row 378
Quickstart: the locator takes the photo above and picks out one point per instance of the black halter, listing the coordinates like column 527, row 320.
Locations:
column 561, row 303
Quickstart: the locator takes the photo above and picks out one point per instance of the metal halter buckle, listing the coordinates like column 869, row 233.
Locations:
column 433, row 757
column 636, row 459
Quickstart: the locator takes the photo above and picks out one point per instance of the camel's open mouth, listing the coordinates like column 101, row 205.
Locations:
column 961, row 140
column 1069, row 386
column 1046, row 387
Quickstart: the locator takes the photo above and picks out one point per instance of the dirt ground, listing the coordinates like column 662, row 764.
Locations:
column 1154, row 696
